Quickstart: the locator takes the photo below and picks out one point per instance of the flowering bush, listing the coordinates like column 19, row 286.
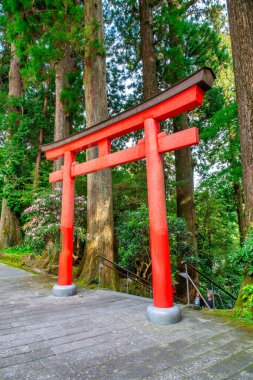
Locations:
column 42, row 221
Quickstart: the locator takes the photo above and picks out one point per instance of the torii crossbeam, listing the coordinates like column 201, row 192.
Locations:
column 183, row 97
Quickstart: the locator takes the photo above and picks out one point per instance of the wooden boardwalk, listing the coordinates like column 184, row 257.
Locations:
column 104, row 335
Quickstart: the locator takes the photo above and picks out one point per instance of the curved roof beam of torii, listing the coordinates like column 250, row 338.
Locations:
column 160, row 107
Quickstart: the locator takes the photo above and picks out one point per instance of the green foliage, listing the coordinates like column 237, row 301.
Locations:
column 246, row 311
column 42, row 31
column 72, row 97
column 217, row 225
column 122, row 43
column 18, row 250
column 133, row 240
column 222, row 128
column 247, row 297
column 187, row 40
column 20, row 147
column 243, row 258
column 15, row 254
column 53, row 24
column 218, row 238
column 133, row 236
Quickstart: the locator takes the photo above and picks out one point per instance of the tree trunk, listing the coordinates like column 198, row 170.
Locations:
column 240, row 212
column 150, row 87
column 100, row 227
column 38, row 158
column 241, row 29
column 62, row 121
column 10, row 234
column 15, row 85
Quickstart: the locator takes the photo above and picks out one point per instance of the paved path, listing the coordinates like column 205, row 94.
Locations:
column 7, row 272
column 105, row 335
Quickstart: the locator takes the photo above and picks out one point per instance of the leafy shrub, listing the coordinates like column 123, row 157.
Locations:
column 247, row 303
column 247, row 296
column 42, row 221
column 243, row 259
column 18, row 250
column 132, row 229
column 15, row 254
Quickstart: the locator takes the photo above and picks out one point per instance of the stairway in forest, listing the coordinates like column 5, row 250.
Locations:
column 132, row 284
column 222, row 298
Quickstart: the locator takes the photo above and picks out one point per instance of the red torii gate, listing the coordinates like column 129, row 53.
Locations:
column 182, row 97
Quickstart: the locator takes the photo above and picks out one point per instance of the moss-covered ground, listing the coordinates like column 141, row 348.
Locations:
column 230, row 316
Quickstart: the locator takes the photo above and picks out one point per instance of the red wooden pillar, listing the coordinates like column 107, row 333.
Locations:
column 65, row 286
column 163, row 311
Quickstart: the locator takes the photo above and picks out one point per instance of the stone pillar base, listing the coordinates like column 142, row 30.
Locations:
column 64, row 290
column 164, row 316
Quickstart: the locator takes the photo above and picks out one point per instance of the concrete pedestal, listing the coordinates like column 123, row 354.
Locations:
column 164, row 316
column 64, row 290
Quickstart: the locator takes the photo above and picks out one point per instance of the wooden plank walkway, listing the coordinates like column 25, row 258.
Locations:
column 100, row 334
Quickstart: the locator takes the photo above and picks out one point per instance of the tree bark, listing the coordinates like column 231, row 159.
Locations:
column 240, row 211
column 241, row 30
column 100, row 227
column 62, row 121
column 15, row 85
column 10, row 234
column 150, row 87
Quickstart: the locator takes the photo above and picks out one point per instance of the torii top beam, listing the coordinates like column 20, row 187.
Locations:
column 167, row 104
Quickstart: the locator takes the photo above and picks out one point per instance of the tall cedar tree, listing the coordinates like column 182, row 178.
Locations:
column 241, row 30
column 148, row 56
column 62, row 120
column 10, row 234
column 100, row 227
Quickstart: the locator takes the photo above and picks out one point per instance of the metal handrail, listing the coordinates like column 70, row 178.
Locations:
column 209, row 279
column 125, row 272
column 141, row 279
column 197, row 290
column 130, row 276
column 148, row 287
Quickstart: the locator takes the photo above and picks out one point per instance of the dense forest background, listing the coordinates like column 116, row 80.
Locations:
column 53, row 83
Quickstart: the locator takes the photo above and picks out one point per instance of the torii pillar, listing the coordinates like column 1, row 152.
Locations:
column 180, row 98
column 163, row 311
